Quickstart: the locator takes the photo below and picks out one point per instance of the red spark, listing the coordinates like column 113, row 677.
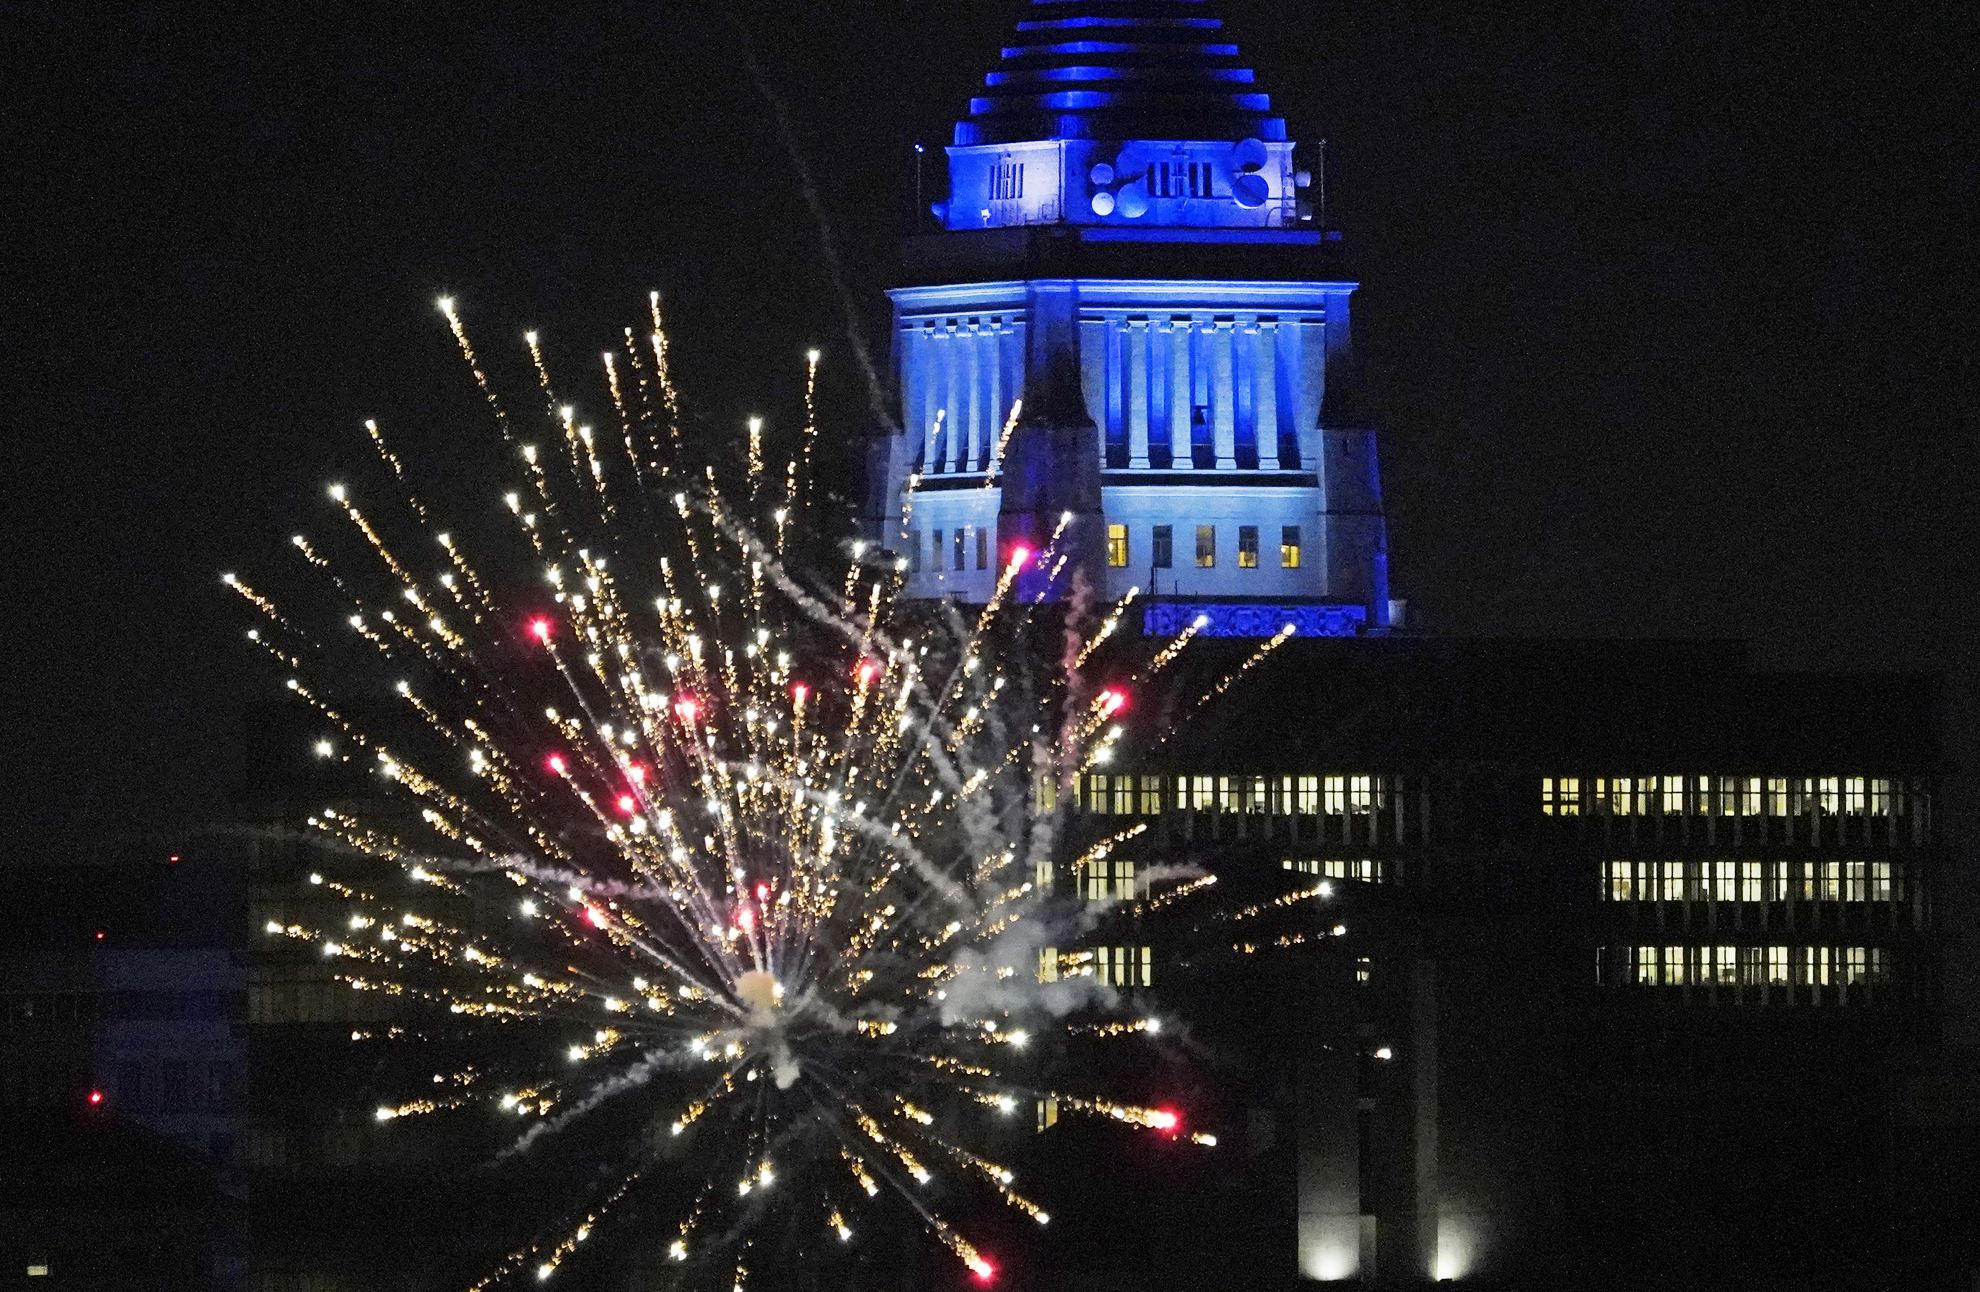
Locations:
column 985, row 1271
column 686, row 708
column 626, row 803
column 799, row 692
column 596, row 916
column 763, row 892
column 867, row 670
column 1113, row 701
column 1019, row 555
column 1165, row 1119
column 745, row 919
column 637, row 773
column 540, row 629
column 555, row 763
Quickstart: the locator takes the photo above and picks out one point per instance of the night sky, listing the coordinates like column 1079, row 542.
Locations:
column 1668, row 311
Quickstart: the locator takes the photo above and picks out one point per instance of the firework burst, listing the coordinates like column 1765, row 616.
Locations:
column 751, row 844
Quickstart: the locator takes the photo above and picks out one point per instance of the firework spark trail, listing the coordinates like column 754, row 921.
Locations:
column 757, row 851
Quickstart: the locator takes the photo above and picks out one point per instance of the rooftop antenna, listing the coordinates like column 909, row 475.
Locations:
column 919, row 212
column 1320, row 182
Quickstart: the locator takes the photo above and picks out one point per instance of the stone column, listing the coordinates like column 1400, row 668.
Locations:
column 1136, row 376
column 1222, row 406
column 1265, row 378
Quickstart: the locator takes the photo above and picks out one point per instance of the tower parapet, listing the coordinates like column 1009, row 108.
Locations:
column 1124, row 246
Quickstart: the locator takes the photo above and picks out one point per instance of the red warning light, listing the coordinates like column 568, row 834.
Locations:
column 99, row 935
column 96, row 1096
column 172, row 860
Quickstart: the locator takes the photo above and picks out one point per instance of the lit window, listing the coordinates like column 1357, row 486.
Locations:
column 1750, row 797
column 1124, row 796
column 1151, row 796
column 1364, row 968
column 1124, row 966
column 1880, row 881
column 1336, row 787
column 1853, row 795
column 1674, row 965
column 1883, row 798
column 1365, row 793
column 1725, row 964
column 1048, row 964
column 1776, row 796
column 914, row 551
column 1162, row 548
column 1856, row 964
column 1832, row 882
column 1335, row 869
column 1725, row 884
column 962, row 538
column 1097, row 794
column 1853, row 881
column 1306, row 799
column 1206, row 546
column 1777, row 964
column 1673, row 889
column 1646, row 966
column 1749, row 881
column 1829, row 794
column 982, row 547
column 1042, row 876
column 1110, row 880
column 1048, row 1113
column 1305, row 865
column 1289, row 547
column 1117, row 546
column 1671, row 796
column 1752, row 966
column 1252, row 794
column 1247, row 547
column 1560, row 797
column 37, row 1269
column 1202, row 792
column 1045, row 792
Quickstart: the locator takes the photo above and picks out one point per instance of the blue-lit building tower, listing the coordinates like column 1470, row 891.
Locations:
column 1125, row 248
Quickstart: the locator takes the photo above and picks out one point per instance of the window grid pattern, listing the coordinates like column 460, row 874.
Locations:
column 1694, row 880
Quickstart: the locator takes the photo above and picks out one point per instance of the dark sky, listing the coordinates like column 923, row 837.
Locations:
column 1668, row 310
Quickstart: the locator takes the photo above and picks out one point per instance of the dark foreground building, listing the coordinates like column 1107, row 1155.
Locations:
column 1624, row 947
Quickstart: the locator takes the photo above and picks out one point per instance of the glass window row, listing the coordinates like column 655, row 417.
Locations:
column 1756, row 966
column 1369, row 870
column 1127, row 966
column 1161, row 551
column 1752, row 881
column 1723, row 795
column 1150, row 795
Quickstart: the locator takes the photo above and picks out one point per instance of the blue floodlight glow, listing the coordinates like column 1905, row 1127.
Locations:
column 1169, row 618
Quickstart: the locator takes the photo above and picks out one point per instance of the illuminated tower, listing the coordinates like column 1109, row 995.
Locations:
column 1125, row 247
